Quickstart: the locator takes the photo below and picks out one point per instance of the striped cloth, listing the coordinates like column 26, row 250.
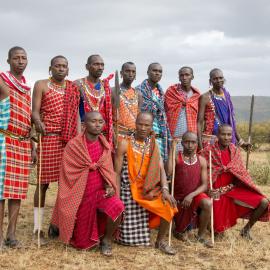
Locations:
column 4, row 120
column 134, row 230
column 18, row 153
column 52, row 145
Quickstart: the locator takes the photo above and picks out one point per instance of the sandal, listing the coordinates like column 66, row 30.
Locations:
column 165, row 248
column 13, row 243
column 205, row 242
column 3, row 245
column 106, row 249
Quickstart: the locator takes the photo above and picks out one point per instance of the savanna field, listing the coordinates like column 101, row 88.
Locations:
column 232, row 252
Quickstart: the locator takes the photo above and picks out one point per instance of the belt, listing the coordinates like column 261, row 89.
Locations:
column 14, row 136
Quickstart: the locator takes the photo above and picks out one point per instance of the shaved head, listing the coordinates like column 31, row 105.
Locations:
column 221, row 127
column 145, row 114
column 189, row 135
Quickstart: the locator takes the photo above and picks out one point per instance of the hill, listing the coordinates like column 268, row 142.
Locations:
column 261, row 108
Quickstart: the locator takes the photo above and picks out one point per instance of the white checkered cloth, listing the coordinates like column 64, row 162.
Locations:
column 134, row 230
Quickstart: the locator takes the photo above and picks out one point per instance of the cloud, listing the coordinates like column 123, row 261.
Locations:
column 232, row 35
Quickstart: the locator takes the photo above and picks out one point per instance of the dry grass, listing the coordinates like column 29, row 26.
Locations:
column 230, row 253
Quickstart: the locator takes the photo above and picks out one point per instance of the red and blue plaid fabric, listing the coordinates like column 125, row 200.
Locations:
column 174, row 100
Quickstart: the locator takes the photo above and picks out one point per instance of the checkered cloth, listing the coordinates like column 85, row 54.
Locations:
column 18, row 153
column 134, row 230
column 52, row 145
column 174, row 100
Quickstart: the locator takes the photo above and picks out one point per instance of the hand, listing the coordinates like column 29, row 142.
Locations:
column 109, row 191
column 175, row 141
column 187, row 201
column 166, row 196
column 40, row 127
column 34, row 156
column 246, row 146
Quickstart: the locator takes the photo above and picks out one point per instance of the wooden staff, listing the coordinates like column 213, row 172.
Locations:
column 117, row 106
column 212, row 207
column 172, row 190
column 39, row 188
column 249, row 128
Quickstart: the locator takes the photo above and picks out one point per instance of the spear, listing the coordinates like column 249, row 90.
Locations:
column 249, row 128
column 212, row 207
column 117, row 105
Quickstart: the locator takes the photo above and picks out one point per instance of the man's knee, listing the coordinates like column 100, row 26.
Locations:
column 206, row 204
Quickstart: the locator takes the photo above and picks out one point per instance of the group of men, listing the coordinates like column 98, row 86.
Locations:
column 112, row 151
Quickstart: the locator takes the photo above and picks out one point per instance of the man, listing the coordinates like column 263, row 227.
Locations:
column 96, row 94
column 215, row 109
column 153, row 101
column 190, row 185
column 86, row 207
column 15, row 146
column 235, row 195
column 130, row 102
column 181, row 105
column 144, row 188
column 53, row 112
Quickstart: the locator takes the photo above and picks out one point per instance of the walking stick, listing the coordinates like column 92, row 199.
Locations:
column 117, row 105
column 172, row 191
column 39, row 188
column 249, row 128
column 212, row 207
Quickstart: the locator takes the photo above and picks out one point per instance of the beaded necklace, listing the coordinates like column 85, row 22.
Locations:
column 141, row 148
column 92, row 96
column 129, row 102
column 189, row 160
column 59, row 88
column 17, row 83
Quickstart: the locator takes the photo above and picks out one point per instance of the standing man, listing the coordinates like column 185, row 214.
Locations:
column 52, row 109
column 15, row 146
column 87, row 211
column 235, row 195
column 143, row 187
column 216, row 109
column 96, row 94
column 153, row 101
column 194, row 206
column 181, row 105
column 130, row 101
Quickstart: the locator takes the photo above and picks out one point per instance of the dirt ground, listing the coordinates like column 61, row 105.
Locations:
column 232, row 252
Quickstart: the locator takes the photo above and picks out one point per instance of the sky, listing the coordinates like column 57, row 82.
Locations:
column 232, row 35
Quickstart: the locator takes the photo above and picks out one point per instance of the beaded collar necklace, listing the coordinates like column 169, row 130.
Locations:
column 59, row 88
column 189, row 160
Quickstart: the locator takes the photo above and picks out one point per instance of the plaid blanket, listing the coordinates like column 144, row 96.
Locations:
column 74, row 171
column 173, row 102
column 17, row 156
column 235, row 166
column 70, row 111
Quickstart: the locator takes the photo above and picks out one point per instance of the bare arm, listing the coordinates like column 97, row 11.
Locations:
column 4, row 90
column 202, row 104
column 140, row 100
column 170, row 158
column 79, row 124
column 118, row 162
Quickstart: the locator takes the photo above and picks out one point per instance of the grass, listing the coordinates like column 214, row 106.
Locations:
column 230, row 253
